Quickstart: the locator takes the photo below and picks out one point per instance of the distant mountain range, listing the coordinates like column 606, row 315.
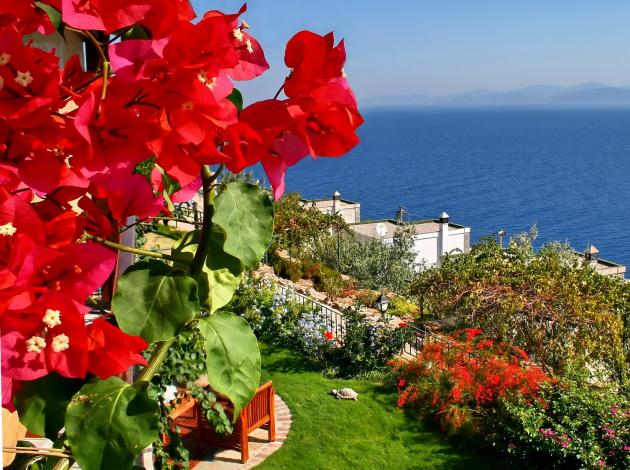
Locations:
column 584, row 93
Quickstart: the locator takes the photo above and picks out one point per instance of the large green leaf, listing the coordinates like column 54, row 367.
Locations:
column 232, row 358
column 42, row 403
column 109, row 422
column 154, row 300
column 245, row 212
column 221, row 273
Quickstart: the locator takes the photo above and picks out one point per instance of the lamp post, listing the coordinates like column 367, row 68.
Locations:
column 382, row 303
column 501, row 234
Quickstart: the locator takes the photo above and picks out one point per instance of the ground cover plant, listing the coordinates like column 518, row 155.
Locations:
column 86, row 152
column 368, row 434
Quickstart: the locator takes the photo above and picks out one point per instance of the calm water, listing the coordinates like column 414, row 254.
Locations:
column 567, row 170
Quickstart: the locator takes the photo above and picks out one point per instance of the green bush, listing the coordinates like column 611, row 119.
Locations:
column 402, row 307
column 547, row 302
column 574, row 425
column 311, row 268
column 328, row 280
column 288, row 269
column 367, row 346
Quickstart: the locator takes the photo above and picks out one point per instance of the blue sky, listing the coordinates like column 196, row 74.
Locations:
column 399, row 47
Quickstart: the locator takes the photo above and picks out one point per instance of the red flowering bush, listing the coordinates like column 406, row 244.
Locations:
column 460, row 380
column 155, row 90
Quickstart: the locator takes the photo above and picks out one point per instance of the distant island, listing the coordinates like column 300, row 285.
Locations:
column 585, row 93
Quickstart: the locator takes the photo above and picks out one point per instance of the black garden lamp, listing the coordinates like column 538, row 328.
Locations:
column 382, row 303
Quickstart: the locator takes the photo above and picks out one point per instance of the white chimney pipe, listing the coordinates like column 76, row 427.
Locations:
column 443, row 236
column 336, row 206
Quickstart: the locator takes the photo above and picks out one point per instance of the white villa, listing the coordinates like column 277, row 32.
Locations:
column 432, row 240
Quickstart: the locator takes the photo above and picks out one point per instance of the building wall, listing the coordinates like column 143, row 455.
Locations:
column 426, row 246
column 350, row 212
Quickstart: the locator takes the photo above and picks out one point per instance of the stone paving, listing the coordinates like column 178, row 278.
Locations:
column 259, row 447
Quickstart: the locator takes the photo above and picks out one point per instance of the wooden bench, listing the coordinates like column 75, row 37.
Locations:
column 259, row 413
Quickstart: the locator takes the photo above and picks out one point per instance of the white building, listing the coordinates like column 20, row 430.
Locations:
column 432, row 240
column 350, row 211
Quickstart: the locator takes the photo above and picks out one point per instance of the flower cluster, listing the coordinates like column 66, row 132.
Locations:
column 45, row 279
column 157, row 88
column 455, row 380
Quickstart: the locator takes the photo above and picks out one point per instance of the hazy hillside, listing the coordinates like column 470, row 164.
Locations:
column 585, row 93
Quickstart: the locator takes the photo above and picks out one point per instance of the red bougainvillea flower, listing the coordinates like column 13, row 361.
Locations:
column 110, row 351
column 47, row 336
column 26, row 16
column 71, row 140
column 29, row 81
column 159, row 16
column 328, row 335
column 250, row 57
column 314, row 61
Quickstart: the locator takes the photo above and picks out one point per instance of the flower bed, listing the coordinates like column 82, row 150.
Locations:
column 366, row 345
column 489, row 393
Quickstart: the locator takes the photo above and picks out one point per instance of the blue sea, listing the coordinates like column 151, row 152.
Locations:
column 566, row 170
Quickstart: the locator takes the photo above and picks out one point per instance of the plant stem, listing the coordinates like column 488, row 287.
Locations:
column 196, row 265
column 156, row 360
column 136, row 251
column 208, row 197
column 278, row 92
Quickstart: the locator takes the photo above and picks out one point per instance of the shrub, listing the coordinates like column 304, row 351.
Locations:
column 547, row 302
column 366, row 297
column 366, row 345
column 310, row 267
column 573, row 425
column 288, row 269
column 401, row 307
column 370, row 261
column 458, row 382
column 328, row 280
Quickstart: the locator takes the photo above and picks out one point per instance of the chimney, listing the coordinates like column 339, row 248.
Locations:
column 443, row 236
column 592, row 255
column 399, row 214
column 336, row 202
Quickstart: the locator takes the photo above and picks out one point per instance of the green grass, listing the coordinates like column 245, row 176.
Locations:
column 370, row 433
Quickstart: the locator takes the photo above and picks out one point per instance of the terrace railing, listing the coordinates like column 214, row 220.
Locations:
column 335, row 320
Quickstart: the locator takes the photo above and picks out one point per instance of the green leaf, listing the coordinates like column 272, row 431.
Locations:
column 237, row 98
column 109, row 422
column 154, row 300
column 42, row 403
column 137, row 32
column 232, row 358
column 53, row 14
column 222, row 272
column 245, row 212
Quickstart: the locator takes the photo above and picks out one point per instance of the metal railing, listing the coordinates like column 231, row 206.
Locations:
column 335, row 320
column 423, row 337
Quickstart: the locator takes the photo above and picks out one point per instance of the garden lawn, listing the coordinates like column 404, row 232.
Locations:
column 371, row 433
